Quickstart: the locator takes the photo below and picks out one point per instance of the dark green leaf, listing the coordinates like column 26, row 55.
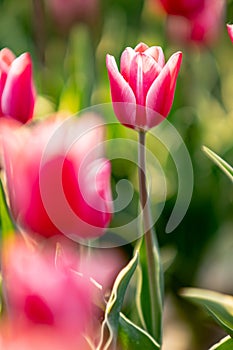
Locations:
column 133, row 337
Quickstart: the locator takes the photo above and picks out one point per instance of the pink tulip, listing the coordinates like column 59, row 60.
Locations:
column 52, row 305
column 181, row 7
column 49, row 290
column 61, row 184
column 143, row 91
column 202, row 27
column 17, row 92
column 230, row 31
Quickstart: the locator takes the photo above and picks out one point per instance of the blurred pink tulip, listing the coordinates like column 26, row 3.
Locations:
column 17, row 92
column 67, row 12
column 53, row 298
column 181, row 7
column 202, row 27
column 62, row 182
column 230, row 31
column 143, row 91
column 49, row 292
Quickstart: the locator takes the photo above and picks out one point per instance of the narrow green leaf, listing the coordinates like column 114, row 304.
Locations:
column 219, row 305
column 225, row 344
column 143, row 294
column 133, row 337
column 114, row 305
column 223, row 165
column 7, row 226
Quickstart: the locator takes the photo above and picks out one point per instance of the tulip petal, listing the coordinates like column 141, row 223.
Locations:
column 6, row 59
column 18, row 96
column 124, row 101
column 157, row 53
column 161, row 93
column 143, row 71
column 95, row 199
column 230, row 31
column 126, row 59
column 141, row 47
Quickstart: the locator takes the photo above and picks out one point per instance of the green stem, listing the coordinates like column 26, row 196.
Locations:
column 151, row 243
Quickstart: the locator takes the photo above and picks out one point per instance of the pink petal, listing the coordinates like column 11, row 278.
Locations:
column 124, row 101
column 141, row 47
column 18, row 95
column 161, row 94
column 157, row 53
column 230, row 31
column 95, row 198
column 143, row 71
column 6, row 59
column 126, row 59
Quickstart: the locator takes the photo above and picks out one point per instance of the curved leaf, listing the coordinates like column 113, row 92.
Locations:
column 133, row 337
column 228, row 170
column 114, row 305
column 225, row 344
column 219, row 305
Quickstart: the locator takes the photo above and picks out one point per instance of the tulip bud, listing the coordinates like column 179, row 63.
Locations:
column 143, row 91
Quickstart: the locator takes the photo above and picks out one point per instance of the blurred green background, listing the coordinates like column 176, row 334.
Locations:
column 68, row 52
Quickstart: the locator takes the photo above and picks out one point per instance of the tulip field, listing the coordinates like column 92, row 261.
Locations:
column 116, row 153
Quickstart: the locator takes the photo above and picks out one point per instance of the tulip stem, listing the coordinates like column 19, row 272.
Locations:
column 152, row 249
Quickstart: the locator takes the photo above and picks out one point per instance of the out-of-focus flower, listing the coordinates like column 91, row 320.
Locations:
column 182, row 7
column 49, row 291
column 230, row 31
column 201, row 27
column 38, row 338
column 17, row 92
column 61, row 184
column 68, row 12
column 53, row 298
column 58, row 294
column 143, row 91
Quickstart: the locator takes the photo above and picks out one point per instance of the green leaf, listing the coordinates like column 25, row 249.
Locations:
column 225, row 344
column 223, row 165
column 7, row 226
column 112, row 313
column 133, row 337
column 219, row 305
column 143, row 294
